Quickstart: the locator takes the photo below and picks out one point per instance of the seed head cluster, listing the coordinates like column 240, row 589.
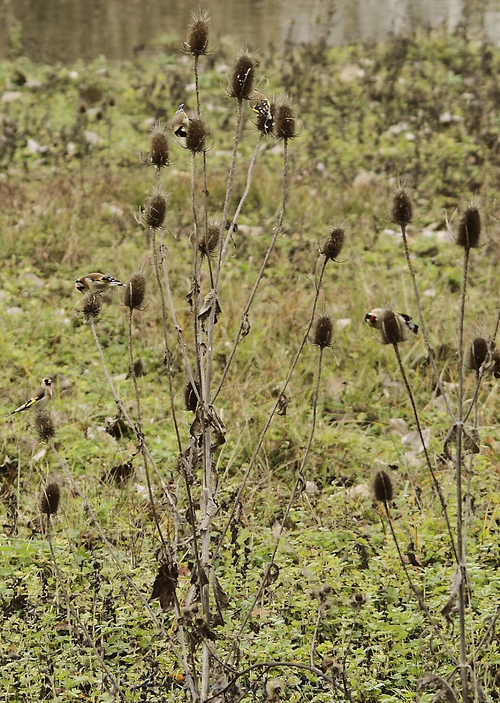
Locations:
column 475, row 354
column 402, row 210
column 44, row 426
column 156, row 209
column 332, row 246
column 323, row 332
column 284, row 127
column 197, row 43
column 91, row 306
column 159, row 153
column 196, row 136
column 49, row 501
column 382, row 487
column 469, row 228
column 243, row 77
column 210, row 239
column 134, row 291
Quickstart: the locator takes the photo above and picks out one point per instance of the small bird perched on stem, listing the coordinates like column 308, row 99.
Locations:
column 180, row 122
column 393, row 326
column 96, row 283
column 39, row 400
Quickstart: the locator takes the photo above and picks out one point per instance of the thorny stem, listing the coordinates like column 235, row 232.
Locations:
column 205, row 380
column 171, row 306
column 139, row 435
column 458, row 468
column 416, row 591
column 81, row 624
column 182, row 659
column 345, row 657
column 195, row 281
column 277, row 231
column 430, row 350
column 275, row 665
column 427, row 458
column 299, row 481
column 256, row 451
column 315, row 633
column 222, row 247
column 168, row 353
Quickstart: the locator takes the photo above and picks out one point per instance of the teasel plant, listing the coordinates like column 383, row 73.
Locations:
column 462, row 440
column 49, row 505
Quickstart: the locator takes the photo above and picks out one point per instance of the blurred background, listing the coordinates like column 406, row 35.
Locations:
column 67, row 30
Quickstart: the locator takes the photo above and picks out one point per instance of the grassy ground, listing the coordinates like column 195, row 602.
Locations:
column 424, row 110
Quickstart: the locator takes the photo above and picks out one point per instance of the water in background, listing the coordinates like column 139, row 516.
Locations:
column 67, row 30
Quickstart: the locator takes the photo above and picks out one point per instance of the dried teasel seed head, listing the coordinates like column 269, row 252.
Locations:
column 91, row 306
column 475, row 354
column 495, row 359
column 323, row 331
column 111, row 101
column 332, row 246
column 284, row 119
column 49, row 501
column 82, row 108
column 190, row 396
column 209, row 240
column 159, row 153
column 156, row 209
column 382, row 487
column 402, row 210
column 44, row 426
column 133, row 292
column 358, row 601
column 243, row 76
column 469, row 228
column 196, row 135
column 197, row 43
column 394, row 327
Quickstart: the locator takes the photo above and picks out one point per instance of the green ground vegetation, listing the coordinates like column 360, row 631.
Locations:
column 424, row 111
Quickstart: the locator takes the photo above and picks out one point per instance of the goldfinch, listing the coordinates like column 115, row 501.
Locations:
column 96, row 283
column 40, row 400
column 391, row 324
column 260, row 104
column 180, row 122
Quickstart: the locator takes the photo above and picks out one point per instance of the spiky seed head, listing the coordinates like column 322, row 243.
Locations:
column 91, row 306
column 197, row 43
column 243, row 76
column 475, row 354
column 323, row 331
column 392, row 327
column 402, row 210
column 469, row 228
column 332, row 246
column 196, row 135
column 284, row 123
column 358, row 601
column 495, row 358
column 111, row 101
column 49, row 500
column 156, row 209
column 133, row 291
column 190, row 397
column 209, row 240
column 382, row 487
column 159, row 154
column 44, row 426
column 82, row 108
